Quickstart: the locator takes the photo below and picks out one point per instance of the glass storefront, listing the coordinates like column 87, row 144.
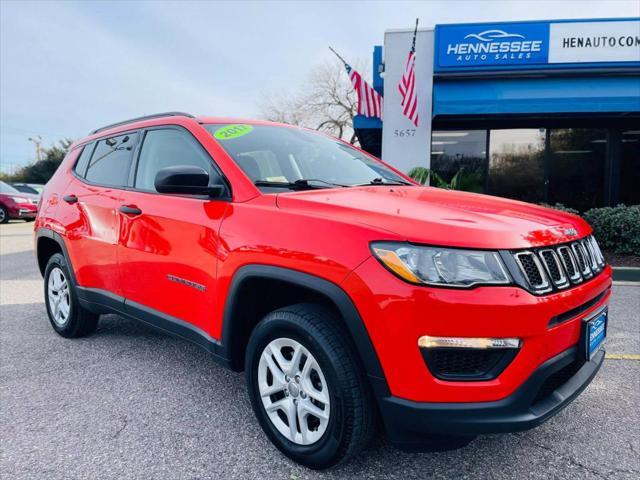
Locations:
column 461, row 153
column 577, row 167
column 630, row 167
column 516, row 164
column 581, row 168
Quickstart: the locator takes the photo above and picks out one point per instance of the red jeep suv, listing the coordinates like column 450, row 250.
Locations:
column 351, row 296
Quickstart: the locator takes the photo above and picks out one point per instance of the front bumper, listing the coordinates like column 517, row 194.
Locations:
column 397, row 314
column 551, row 387
column 23, row 210
column 25, row 213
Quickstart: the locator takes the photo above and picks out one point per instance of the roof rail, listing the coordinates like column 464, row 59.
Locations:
column 146, row 117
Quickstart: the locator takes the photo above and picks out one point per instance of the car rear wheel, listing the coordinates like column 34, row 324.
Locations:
column 307, row 388
column 66, row 315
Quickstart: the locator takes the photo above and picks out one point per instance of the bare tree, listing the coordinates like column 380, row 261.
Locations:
column 327, row 102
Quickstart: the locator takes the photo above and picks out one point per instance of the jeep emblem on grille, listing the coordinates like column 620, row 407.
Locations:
column 571, row 232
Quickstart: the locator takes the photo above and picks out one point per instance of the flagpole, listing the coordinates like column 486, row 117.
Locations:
column 415, row 32
column 338, row 55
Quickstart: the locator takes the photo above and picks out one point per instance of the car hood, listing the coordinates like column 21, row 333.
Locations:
column 441, row 217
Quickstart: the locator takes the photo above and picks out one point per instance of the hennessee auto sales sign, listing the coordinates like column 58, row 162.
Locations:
column 517, row 45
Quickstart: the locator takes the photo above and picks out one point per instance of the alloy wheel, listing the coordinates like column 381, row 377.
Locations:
column 294, row 391
column 59, row 297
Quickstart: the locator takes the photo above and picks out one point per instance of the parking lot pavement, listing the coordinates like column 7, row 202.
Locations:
column 129, row 402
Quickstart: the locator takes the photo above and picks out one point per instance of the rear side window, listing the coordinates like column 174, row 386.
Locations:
column 111, row 160
column 83, row 161
column 165, row 148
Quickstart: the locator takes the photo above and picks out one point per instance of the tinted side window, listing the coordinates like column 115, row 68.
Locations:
column 164, row 148
column 83, row 161
column 111, row 160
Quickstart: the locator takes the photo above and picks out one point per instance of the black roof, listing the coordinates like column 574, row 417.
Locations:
column 146, row 117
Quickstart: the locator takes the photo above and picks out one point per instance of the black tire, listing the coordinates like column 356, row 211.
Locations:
column 4, row 214
column 351, row 422
column 80, row 322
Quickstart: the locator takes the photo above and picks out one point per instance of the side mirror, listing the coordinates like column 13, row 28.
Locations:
column 186, row 180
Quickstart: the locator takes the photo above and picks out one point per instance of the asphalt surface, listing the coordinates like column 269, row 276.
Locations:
column 129, row 402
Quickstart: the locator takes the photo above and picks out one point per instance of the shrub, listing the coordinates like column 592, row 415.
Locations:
column 616, row 228
column 462, row 180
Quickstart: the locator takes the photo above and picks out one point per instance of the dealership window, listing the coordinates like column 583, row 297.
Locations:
column 630, row 167
column 516, row 164
column 461, row 153
column 576, row 167
column 581, row 168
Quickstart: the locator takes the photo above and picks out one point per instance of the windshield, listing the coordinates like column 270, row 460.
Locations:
column 275, row 156
column 6, row 188
column 26, row 189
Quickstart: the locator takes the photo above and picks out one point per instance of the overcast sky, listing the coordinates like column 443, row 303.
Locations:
column 69, row 67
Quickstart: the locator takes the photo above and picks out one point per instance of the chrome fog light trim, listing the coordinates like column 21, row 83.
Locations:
column 427, row 341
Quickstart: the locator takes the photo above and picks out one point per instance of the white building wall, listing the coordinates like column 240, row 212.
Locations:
column 403, row 145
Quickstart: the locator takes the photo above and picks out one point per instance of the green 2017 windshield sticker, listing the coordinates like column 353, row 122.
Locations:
column 232, row 131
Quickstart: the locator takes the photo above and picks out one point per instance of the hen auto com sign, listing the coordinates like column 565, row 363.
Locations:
column 536, row 44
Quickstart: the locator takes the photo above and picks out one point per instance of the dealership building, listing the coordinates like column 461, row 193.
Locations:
column 541, row 111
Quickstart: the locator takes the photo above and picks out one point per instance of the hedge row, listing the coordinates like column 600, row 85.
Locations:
column 616, row 228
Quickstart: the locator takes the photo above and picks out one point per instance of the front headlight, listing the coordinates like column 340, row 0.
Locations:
column 446, row 267
column 20, row 199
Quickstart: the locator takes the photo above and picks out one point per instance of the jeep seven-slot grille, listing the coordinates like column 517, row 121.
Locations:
column 554, row 268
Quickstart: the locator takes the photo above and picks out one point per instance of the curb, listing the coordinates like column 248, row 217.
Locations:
column 626, row 274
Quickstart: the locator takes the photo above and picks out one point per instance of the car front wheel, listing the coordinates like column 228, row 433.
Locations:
column 307, row 388
column 4, row 214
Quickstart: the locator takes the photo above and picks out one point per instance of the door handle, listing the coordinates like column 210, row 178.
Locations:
column 70, row 199
column 130, row 210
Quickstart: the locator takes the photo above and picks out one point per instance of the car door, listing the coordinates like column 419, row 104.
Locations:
column 169, row 245
column 89, row 211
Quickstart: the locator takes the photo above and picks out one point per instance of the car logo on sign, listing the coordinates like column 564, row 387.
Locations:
column 570, row 232
column 491, row 35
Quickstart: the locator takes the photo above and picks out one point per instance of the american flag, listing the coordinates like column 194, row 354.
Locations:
column 369, row 101
column 407, row 85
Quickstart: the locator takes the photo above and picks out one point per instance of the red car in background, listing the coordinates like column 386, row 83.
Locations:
column 17, row 205
column 352, row 297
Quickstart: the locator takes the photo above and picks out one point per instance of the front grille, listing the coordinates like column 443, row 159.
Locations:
column 597, row 251
column 532, row 269
column 554, row 268
column 581, row 257
column 569, row 263
column 460, row 364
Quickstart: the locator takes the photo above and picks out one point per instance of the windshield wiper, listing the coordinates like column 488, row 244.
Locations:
column 380, row 181
column 305, row 181
column 289, row 185
column 307, row 184
column 301, row 184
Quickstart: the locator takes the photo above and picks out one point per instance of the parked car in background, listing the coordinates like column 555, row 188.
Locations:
column 352, row 297
column 33, row 188
column 16, row 204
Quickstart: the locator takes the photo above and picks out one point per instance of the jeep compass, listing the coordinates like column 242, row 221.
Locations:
column 351, row 297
